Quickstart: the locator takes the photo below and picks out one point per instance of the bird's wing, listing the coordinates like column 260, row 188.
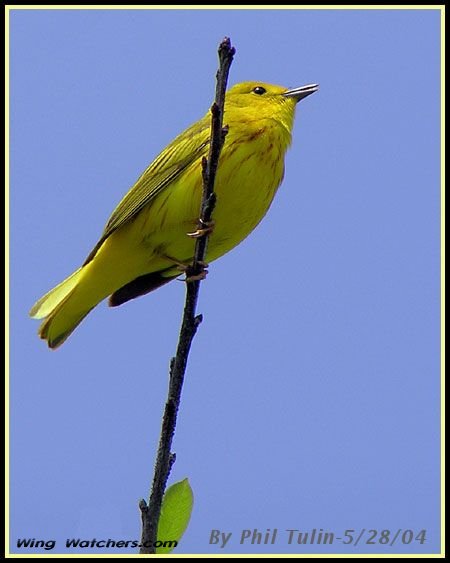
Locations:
column 185, row 149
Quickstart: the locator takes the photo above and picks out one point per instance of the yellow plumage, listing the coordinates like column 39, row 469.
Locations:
column 145, row 240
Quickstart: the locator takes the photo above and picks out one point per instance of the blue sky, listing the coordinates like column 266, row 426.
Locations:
column 312, row 392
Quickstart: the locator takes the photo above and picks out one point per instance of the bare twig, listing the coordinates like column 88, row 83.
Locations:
column 165, row 458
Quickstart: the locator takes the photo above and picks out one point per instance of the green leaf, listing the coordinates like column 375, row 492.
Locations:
column 176, row 511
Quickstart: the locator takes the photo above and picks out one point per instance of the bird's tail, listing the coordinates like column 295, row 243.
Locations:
column 62, row 310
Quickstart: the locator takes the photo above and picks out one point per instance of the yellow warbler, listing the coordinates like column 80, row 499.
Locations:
column 145, row 240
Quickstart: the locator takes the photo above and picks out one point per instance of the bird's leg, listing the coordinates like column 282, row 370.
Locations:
column 199, row 270
column 205, row 228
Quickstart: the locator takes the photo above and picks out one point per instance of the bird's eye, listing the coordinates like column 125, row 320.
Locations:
column 259, row 90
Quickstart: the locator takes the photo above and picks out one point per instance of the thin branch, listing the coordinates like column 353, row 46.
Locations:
column 165, row 458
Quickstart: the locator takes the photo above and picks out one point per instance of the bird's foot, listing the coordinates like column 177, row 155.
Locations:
column 196, row 277
column 205, row 228
column 197, row 273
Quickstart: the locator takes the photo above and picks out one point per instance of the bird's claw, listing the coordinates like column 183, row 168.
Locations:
column 196, row 277
column 207, row 227
column 186, row 267
column 194, row 274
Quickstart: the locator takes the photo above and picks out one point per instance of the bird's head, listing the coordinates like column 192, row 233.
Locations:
column 258, row 100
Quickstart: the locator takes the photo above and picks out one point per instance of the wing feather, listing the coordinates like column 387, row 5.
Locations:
column 167, row 167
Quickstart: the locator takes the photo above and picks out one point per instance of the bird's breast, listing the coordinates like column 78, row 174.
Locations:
column 251, row 168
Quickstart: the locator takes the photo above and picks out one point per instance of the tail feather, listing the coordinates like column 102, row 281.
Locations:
column 61, row 309
column 48, row 303
column 57, row 327
column 109, row 273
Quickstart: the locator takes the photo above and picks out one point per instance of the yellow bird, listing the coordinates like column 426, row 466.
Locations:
column 145, row 241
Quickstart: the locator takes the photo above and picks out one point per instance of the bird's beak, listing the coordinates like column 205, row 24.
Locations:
column 300, row 93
